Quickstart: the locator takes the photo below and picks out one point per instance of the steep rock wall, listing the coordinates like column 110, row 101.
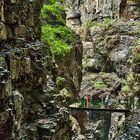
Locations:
column 109, row 30
column 132, row 130
column 70, row 67
column 79, row 12
column 29, row 100
column 66, row 48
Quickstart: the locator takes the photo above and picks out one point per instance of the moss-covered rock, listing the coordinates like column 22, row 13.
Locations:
column 125, row 89
column 99, row 84
column 65, row 93
column 104, row 23
column 65, row 45
column 54, row 29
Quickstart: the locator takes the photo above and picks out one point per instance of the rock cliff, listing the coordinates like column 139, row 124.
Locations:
column 109, row 30
column 29, row 102
column 81, row 11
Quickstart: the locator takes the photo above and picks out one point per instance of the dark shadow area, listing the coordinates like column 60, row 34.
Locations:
column 127, row 5
column 122, row 8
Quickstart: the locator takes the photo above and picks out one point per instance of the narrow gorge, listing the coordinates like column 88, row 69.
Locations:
column 55, row 53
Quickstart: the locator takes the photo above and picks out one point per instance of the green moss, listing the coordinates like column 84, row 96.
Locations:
column 99, row 84
column 125, row 89
column 138, row 26
column 53, row 14
column 54, row 30
column 64, row 92
column 58, row 38
column 105, row 75
column 137, row 57
column 60, row 80
column 136, row 51
column 103, row 24
column 130, row 77
column 130, row 60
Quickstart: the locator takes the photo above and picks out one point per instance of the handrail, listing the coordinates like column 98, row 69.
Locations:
column 100, row 109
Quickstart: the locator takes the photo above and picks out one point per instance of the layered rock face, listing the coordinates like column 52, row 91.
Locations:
column 109, row 30
column 66, row 48
column 70, row 67
column 28, row 109
column 81, row 11
column 132, row 130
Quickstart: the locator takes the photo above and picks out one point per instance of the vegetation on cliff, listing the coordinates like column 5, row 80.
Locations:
column 54, row 30
column 104, row 23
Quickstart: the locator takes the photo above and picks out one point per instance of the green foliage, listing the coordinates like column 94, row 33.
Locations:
column 59, row 80
column 54, row 31
column 103, row 24
column 53, row 14
column 136, row 51
column 137, row 57
column 138, row 26
column 65, row 93
column 136, row 30
column 130, row 60
column 99, row 84
column 125, row 88
column 58, row 38
column 130, row 77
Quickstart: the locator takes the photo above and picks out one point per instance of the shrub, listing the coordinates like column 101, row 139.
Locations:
column 99, row 84
column 54, row 31
column 60, row 80
column 103, row 24
column 125, row 89
column 130, row 77
column 53, row 14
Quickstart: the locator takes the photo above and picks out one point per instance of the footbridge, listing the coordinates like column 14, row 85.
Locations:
column 126, row 111
column 91, row 118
